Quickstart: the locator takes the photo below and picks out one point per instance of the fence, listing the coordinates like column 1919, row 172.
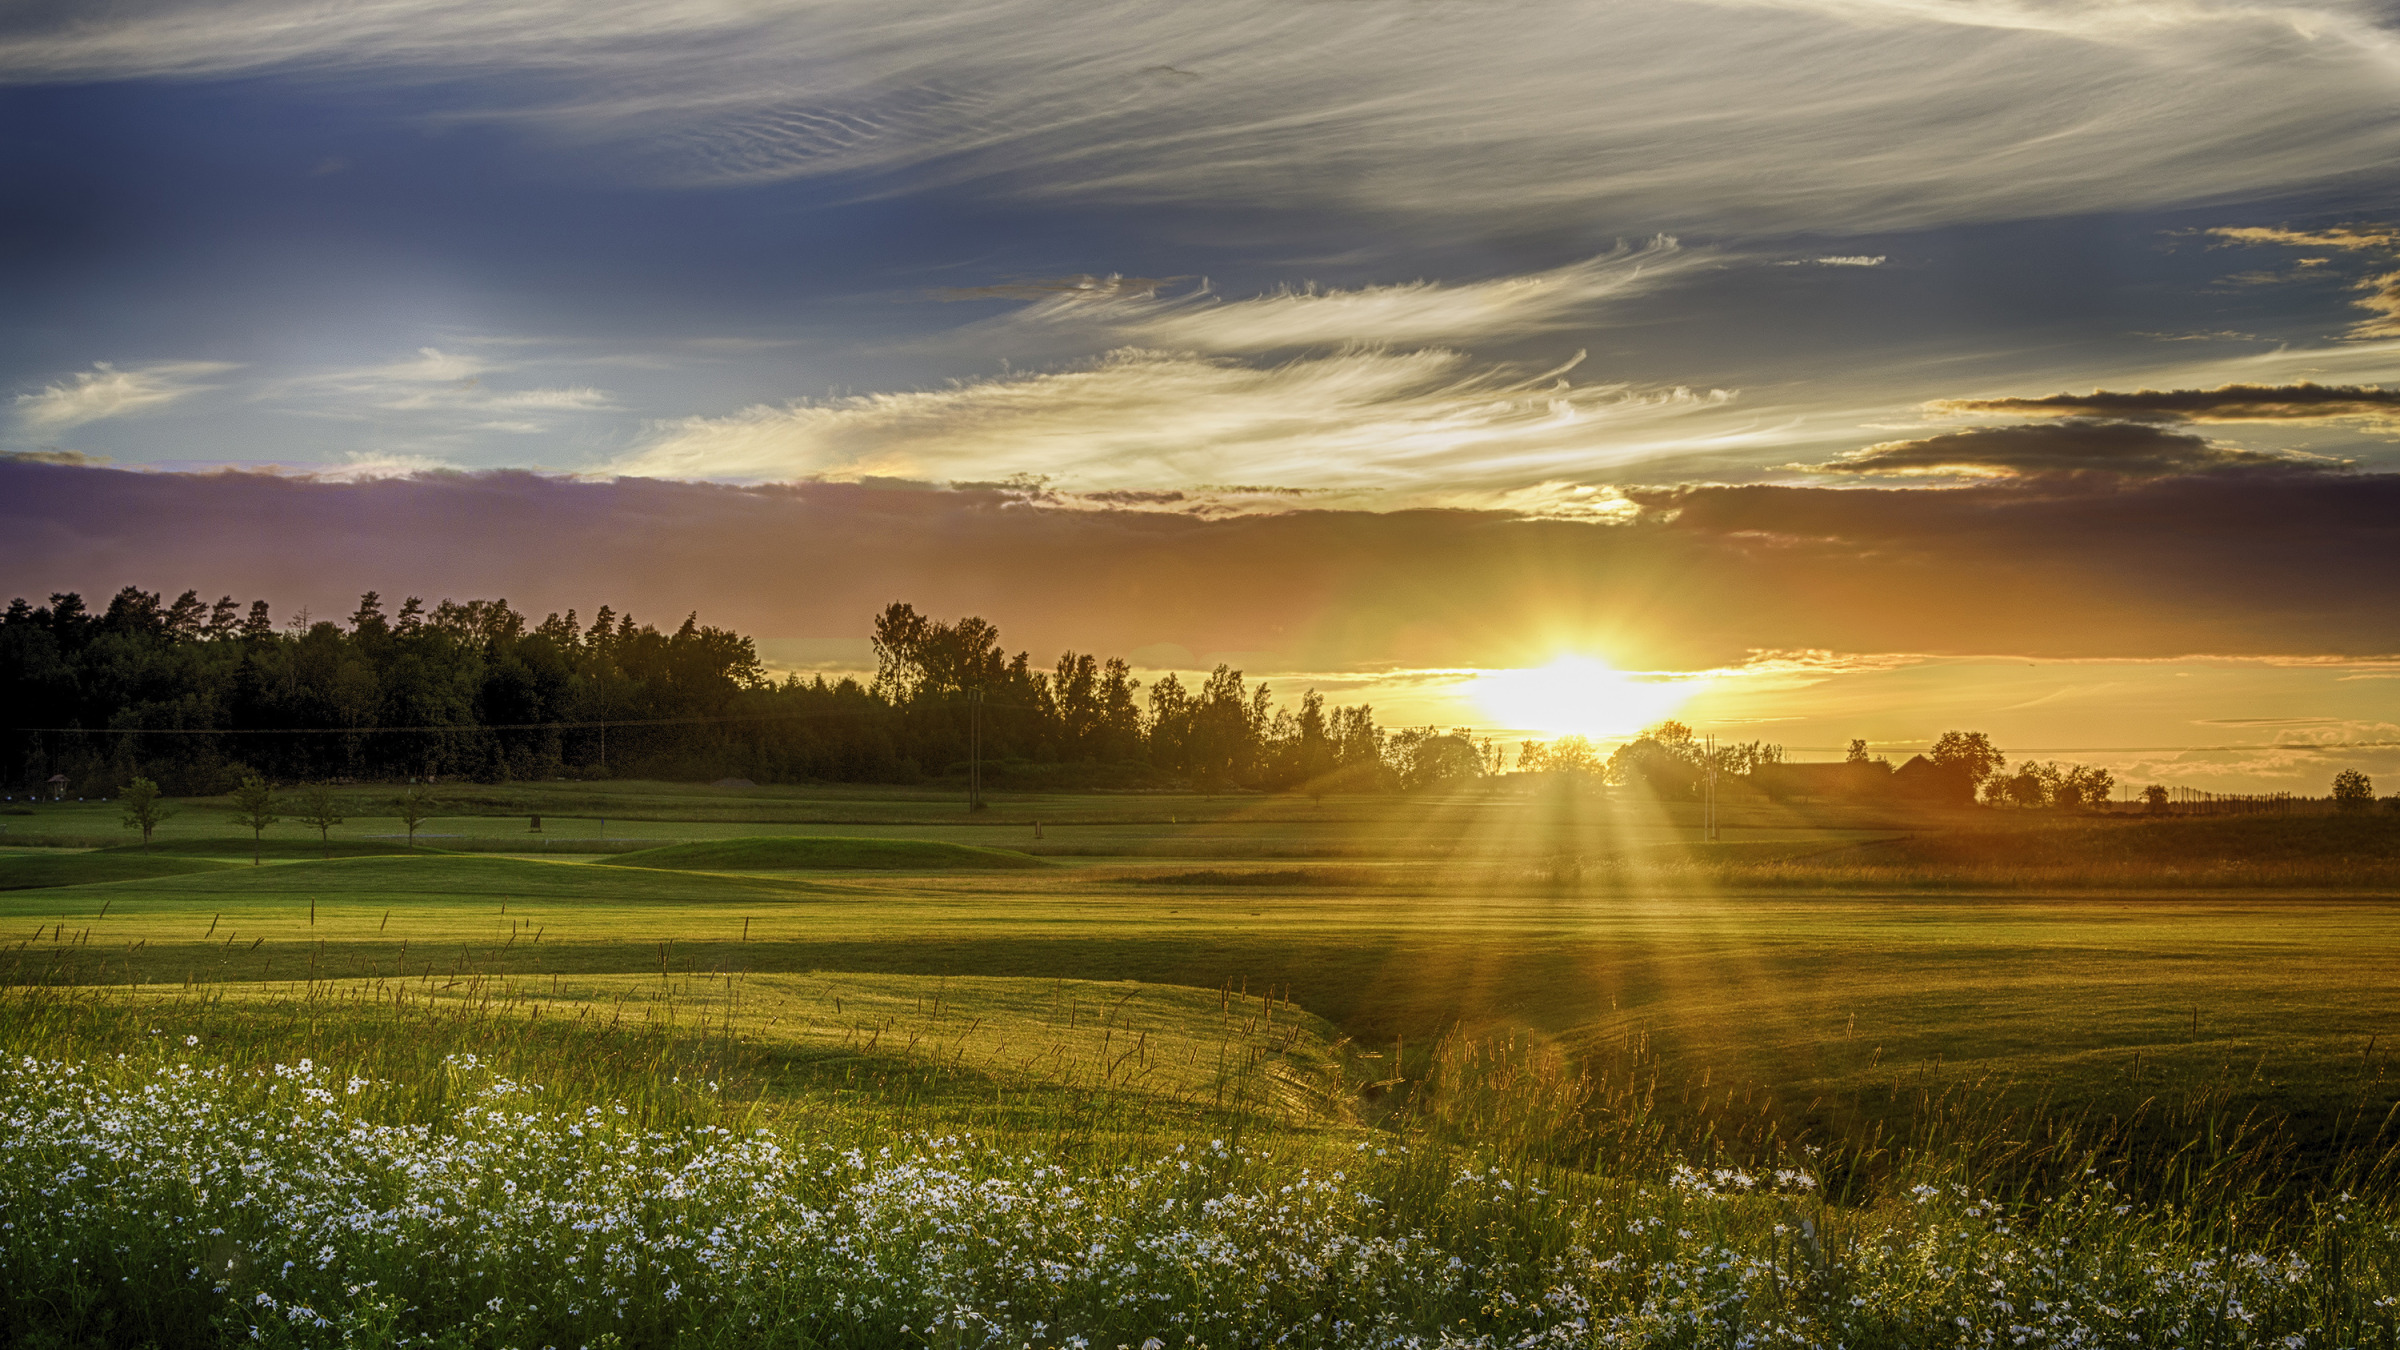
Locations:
column 2183, row 801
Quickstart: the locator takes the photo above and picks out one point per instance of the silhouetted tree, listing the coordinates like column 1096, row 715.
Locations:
column 2353, row 791
column 186, row 618
column 1969, row 756
column 1427, row 757
column 1569, row 755
column 473, row 688
column 2037, row 784
column 221, row 619
column 2086, row 787
column 1667, row 758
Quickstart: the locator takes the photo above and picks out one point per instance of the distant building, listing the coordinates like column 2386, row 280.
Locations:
column 1836, row 779
column 58, row 787
column 1919, row 780
column 1922, row 780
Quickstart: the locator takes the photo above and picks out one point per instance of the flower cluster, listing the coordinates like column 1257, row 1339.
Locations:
column 272, row 1207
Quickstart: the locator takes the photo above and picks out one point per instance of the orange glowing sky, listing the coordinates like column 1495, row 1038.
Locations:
column 1803, row 370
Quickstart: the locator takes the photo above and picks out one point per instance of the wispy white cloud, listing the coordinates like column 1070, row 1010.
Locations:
column 437, row 381
column 1404, row 314
column 2382, row 289
column 1428, row 424
column 2348, row 238
column 1364, row 394
column 1818, row 114
column 363, row 465
column 106, row 391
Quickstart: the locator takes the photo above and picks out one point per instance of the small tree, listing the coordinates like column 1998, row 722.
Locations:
column 142, row 811
column 319, row 807
column 1969, row 754
column 254, row 809
column 2155, row 797
column 2087, row 788
column 2035, row 785
column 414, row 807
column 2353, row 791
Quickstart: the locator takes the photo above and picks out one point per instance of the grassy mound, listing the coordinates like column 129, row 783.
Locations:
column 30, row 871
column 464, row 876
column 1264, row 876
column 230, row 846
column 785, row 853
column 2235, row 850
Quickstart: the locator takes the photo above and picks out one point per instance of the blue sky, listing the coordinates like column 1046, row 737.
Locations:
column 1218, row 260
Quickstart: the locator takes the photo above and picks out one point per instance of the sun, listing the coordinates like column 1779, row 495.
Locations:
column 1576, row 696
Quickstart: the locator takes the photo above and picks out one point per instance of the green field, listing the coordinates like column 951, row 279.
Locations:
column 1805, row 963
column 816, row 853
column 34, row 871
column 1566, row 982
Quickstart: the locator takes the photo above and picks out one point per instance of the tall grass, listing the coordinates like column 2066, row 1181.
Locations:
column 336, row 1171
column 2199, row 1149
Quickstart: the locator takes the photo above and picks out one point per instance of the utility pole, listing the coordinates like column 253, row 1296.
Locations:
column 975, row 748
column 1708, row 815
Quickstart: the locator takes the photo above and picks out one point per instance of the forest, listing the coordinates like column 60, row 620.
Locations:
column 195, row 695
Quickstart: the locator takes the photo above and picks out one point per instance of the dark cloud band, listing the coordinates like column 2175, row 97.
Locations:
column 2226, row 403
column 2077, row 566
column 2122, row 448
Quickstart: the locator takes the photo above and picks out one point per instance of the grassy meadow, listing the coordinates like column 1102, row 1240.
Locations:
column 1538, row 1069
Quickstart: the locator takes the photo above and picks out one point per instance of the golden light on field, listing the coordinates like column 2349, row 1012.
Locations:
column 1576, row 695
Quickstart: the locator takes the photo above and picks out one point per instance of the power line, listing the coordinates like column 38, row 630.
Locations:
column 443, row 727
column 2142, row 749
column 970, row 704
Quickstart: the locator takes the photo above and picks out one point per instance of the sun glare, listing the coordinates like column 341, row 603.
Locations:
column 1576, row 695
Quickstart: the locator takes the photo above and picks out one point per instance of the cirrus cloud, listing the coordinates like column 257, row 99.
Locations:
column 1359, row 421
column 107, row 391
column 2382, row 291
column 1772, row 113
column 2348, row 238
column 1132, row 313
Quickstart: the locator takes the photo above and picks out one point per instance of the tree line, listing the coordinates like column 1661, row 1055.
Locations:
column 195, row 696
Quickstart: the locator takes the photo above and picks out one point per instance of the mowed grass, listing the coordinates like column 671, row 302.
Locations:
column 810, row 852
column 1819, row 969
column 229, row 849
column 1485, row 822
column 29, row 870
column 1496, row 831
column 1826, row 1014
column 995, row 1053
